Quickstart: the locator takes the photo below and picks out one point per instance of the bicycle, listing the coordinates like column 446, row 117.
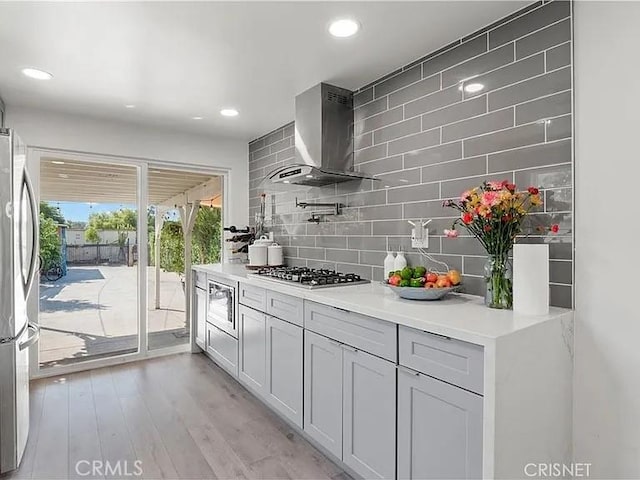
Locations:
column 51, row 272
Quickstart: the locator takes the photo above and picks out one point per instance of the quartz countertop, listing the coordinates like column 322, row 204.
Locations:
column 460, row 316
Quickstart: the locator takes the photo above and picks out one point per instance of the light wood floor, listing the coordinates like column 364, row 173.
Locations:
column 181, row 416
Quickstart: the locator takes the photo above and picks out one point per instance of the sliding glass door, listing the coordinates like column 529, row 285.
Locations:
column 116, row 242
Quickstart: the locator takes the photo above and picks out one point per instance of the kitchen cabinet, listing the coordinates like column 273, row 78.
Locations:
column 323, row 391
column 223, row 348
column 200, row 317
column 455, row 362
column 252, row 325
column 369, row 414
column 350, row 405
column 284, row 368
column 365, row 333
column 285, row 307
column 439, row 429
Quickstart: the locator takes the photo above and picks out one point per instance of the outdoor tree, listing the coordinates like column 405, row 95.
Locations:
column 205, row 241
column 54, row 213
column 49, row 241
column 50, row 245
column 123, row 221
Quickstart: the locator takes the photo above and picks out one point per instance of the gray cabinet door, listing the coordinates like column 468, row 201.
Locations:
column 200, row 316
column 284, row 368
column 323, row 391
column 439, row 429
column 252, row 338
column 369, row 414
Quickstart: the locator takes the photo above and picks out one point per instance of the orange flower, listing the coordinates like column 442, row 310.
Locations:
column 535, row 200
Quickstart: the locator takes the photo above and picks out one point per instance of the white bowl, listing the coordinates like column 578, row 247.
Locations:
column 417, row 293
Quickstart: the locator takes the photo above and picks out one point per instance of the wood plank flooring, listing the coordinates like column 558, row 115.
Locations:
column 180, row 416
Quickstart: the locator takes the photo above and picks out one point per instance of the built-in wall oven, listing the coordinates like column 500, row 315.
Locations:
column 221, row 310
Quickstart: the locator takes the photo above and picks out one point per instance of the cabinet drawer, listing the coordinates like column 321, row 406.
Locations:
column 223, row 348
column 369, row 334
column 254, row 297
column 453, row 361
column 200, row 279
column 285, row 307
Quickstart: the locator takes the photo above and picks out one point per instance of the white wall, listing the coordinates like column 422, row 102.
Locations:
column 607, row 342
column 39, row 128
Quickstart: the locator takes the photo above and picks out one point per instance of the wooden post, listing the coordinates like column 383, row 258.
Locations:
column 159, row 222
column 188, row 214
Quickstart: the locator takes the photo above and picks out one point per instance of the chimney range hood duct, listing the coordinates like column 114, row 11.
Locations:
column 323, row 139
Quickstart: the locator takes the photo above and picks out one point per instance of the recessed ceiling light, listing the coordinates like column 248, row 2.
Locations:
column 63, row 175
column 309, row 176
column 473, row 87
column 229, row 112
column 130, row 105
column 345, row 27
column 197, row 118
column 286, row 181
column 37, row 74
column 57, row 162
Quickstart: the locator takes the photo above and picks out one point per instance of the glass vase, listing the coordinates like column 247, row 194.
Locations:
column 498, row 274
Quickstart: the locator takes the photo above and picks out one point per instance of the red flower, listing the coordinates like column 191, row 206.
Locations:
column 507, row 218
column 533, row 190
column 467, row 218
column 487, row 228
column 555, row 228
column 511, row 187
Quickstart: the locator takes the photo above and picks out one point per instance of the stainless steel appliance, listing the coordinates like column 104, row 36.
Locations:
column 222, row 306
column 309, row 278
column 323, row 139
column 18, row 270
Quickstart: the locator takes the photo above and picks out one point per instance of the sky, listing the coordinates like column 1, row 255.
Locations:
column 80, row 211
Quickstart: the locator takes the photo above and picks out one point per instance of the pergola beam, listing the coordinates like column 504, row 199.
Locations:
column 210, row 190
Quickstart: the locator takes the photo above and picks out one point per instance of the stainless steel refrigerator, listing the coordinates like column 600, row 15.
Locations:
column 19, row 214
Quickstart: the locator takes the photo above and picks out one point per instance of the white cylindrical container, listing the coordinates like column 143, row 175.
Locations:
column 400, row 262
column 258, row 255
column 389, row 264
column 531, row 279
column 275, row 255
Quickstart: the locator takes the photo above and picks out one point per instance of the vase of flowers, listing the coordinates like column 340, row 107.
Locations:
column 494, row 213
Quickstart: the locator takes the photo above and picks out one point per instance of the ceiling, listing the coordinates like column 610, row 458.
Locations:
column 76, row 181
column 177, row 60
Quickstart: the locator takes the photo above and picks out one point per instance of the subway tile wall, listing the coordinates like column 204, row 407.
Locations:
column 426, row 140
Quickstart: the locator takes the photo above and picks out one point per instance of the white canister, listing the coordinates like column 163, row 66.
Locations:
column 275, row 255
column 263, row 240
column 258, row 255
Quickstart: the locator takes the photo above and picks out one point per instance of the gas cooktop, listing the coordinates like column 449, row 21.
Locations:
column 310, row 278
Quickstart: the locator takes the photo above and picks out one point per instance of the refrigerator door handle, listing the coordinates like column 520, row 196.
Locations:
column 34, row 239
column 31, row 339
column 16, row 338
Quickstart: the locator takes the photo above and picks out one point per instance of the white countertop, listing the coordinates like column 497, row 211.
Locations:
column 464, row 317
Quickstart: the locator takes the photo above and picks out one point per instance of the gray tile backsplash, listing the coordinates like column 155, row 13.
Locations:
column 428, row 140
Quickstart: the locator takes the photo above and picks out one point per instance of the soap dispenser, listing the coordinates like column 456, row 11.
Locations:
column 389, row 264
column 400, row 261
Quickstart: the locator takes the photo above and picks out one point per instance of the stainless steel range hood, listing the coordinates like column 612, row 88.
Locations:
column 323, row 139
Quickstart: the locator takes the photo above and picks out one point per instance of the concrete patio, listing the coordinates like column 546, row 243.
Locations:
column 91, row 313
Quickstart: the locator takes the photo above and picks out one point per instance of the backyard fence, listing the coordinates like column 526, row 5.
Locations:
column 98, row 254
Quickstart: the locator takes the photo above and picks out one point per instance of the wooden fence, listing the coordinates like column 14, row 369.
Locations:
column 97, row 254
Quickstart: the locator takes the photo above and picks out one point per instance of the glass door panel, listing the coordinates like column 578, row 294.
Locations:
column 184, row 207
column 89, row 299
